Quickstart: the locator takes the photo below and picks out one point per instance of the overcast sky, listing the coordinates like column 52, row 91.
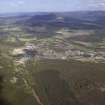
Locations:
column 50, row 5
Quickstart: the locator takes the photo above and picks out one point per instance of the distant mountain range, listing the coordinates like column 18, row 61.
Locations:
column 73, row 20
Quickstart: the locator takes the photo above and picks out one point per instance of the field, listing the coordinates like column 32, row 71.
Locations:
column 58, row 82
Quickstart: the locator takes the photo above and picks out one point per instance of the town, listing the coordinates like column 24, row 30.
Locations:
column 40, row 51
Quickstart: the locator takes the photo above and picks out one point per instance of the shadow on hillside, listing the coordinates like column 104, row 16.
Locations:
column 2, row 100
column 56, row 89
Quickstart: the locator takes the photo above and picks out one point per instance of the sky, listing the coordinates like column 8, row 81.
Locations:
column 50, row 5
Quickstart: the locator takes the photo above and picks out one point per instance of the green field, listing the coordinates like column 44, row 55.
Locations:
column 56, row 82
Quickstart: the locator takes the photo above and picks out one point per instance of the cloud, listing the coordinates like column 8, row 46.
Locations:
column 20, row 2
column 94, row 4
column 15, row 3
